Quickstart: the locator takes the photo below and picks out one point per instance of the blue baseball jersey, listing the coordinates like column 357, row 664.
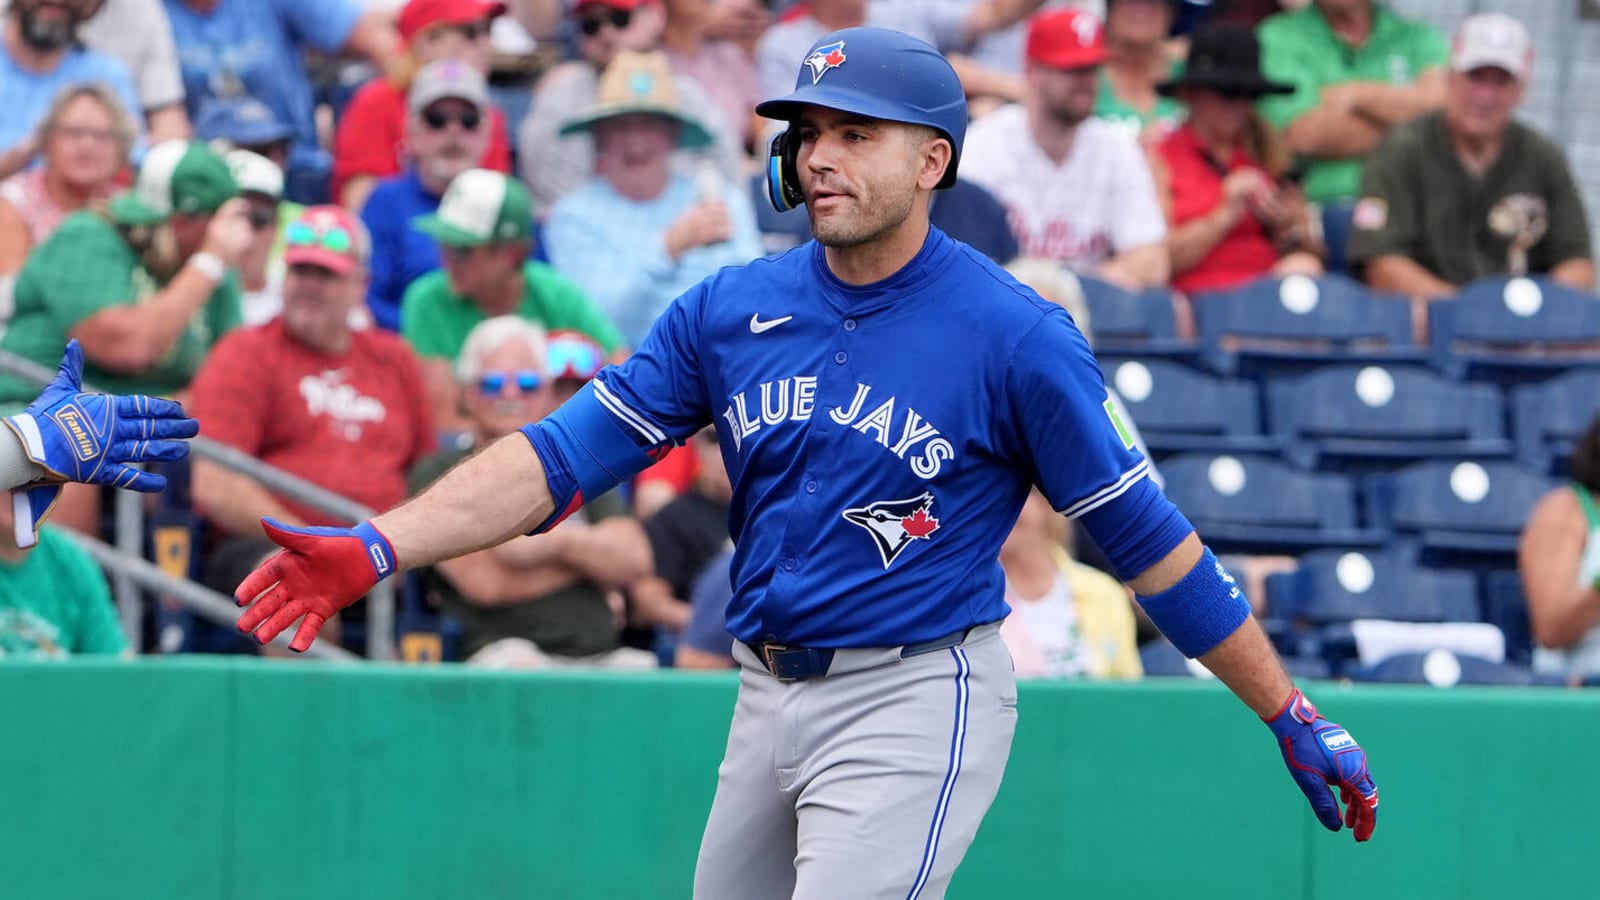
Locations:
column 880, row 439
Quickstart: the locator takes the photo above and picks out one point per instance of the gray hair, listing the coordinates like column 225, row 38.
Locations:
column 492, row 334
column 1056, row 283
column 121, row 126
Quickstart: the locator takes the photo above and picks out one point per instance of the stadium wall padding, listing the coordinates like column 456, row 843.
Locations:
column 209, row 778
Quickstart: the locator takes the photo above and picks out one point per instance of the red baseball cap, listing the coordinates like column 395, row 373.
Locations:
column 1066, row 39
column 327, row 236
column 418, row 15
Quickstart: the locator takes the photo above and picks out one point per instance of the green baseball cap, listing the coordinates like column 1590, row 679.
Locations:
column 480, row 207
column 176, row 176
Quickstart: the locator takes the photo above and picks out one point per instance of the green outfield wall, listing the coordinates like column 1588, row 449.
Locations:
column 212, row 778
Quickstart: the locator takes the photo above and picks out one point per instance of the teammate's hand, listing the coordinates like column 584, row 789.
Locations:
column 319, row 572
column 1321, row 755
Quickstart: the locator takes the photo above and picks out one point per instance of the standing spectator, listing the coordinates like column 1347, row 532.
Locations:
column 138, row 34
column 445, row 136
column 54, row 601
column 84, row 141
column 550, row 600
column 1076, row 188
column 1358, row 69
column 341, row 408
column 40, row 55
column 261, row 265
column 370, row 141
column 233, row 48
column 1234, row 216
column 1559, row 559
column 483, row 229
column 638, row 234
column 554, row 162
column 1067, row 620
column 1138, row 57
column 722, row 68
column 685, row 535
column 1467, row 192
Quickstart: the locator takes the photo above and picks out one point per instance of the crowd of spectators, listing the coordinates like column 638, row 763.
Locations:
column 359, row 280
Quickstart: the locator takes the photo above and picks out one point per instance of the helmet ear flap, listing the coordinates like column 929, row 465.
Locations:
column 783, row 172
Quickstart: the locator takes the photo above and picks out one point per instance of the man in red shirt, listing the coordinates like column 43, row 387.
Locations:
column 342, row 408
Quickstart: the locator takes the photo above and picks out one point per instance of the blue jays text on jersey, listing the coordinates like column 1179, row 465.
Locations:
column 880, row 438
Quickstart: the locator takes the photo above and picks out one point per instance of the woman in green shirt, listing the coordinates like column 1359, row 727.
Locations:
column 1140, row 57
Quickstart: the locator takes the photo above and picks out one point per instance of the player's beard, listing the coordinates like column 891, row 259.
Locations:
column 872, row 220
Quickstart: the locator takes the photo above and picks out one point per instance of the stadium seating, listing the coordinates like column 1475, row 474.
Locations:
column 1548, row 417
column 1277, row 326
column 1442, row 668
column 1133, row 323
column 1179, row 409
column 1514, row 329
column 1254, row 504
column 1341, row 585
column 1468, row 507
column 1352, row 417
column 1506, row 607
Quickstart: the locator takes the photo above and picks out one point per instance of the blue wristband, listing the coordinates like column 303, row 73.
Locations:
column 1198, row 612
column 379, row 551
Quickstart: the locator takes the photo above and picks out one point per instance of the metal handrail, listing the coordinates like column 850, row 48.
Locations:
column 130, row 531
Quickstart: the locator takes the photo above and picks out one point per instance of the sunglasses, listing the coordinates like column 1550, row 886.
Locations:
column 331, row 237
column 574, row 359
column 262, row 216
column 526, row 380
column 617, row 18
column 472, row 31
column 437, row 119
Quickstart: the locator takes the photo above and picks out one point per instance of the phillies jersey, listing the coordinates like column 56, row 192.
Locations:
column 880, row 439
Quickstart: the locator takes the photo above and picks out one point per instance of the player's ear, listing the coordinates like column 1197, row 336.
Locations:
column 934, row 156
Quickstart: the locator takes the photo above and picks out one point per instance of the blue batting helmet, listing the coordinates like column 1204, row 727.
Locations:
column 874, row 72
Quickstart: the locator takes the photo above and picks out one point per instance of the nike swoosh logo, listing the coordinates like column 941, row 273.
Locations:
column 757, row 326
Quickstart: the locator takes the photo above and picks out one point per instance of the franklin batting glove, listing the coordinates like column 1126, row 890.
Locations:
column 93, row 438
column 1321, row 755
column 318, row 572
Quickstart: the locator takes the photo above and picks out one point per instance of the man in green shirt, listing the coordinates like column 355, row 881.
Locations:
column 145, row 288
column 54, row 602
column 1467, row 192
column 484, row 227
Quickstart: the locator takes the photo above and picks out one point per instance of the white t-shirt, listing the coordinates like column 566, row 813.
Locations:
column 1101, row 200
column 1051, row 622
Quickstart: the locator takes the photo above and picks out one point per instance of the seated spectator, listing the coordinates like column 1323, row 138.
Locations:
column 84, row 141
column 574, row 359
column 1234, row 217
column 54, row 602
column 138, row 34
column 1138, row 57
column 260, row 183
column 257, row 48
column 1077, row 189
column 550, row 600
column 1559, row 559
column 554, row 162
column 483, row 230
column 638, row 234
column 1067, row 620
column 1358, row 69
column 445, row 136
column 39, row 56
column 722, row 68
column 706, row 642
column 245, row 123
column 341, row 408
column 372, row 130
column 684, row 535
column 1468, row 192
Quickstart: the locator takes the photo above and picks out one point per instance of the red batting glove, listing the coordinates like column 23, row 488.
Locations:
column 319, row 572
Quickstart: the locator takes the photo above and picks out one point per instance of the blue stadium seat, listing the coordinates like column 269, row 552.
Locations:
column 1253, row 504
column 1275, row 326
column 1506, row 607
column 1548, row 417
column 1179, row 409
column 1160, row 659
column 1133, row 323
column 1467, row 507
column 1341, row 585
column 1447, row 670
column 1514, row 329
column 1354, row 417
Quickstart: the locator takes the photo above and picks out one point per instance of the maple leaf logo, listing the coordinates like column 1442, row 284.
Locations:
column 896, row 524
column 920, row 524
column 828, row 56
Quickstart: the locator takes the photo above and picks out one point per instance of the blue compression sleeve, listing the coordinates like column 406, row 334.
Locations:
column 1137, row 529
column 585, row 452
column 1202, row 609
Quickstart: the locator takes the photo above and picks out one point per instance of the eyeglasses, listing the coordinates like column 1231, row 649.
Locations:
column 262, row 216
column 572, row 358
column 84, row 133
column 331, row 237
column 437, row 119
column 618, row 18
column 472, row 31
column 526, row 380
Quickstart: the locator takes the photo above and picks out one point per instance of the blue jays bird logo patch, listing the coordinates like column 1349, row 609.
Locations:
column 828, row 56
column 894, row 524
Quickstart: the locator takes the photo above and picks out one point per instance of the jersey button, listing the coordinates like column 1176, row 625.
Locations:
column 811, row 486
column 788, row 564
column 849, row 324
column 840, row 357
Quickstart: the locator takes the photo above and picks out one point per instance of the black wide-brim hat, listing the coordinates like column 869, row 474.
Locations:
column 1225, row 58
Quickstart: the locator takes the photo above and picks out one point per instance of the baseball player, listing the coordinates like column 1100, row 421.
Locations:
column 68, row 434
column 884, row 398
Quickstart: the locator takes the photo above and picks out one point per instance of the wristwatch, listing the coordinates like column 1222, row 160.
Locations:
column 210, row 265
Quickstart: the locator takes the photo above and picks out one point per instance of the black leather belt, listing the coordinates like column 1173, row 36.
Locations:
column 798, row 663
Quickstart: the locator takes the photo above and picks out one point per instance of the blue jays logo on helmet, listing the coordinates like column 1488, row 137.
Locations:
column 825, row 57
column 894, row 524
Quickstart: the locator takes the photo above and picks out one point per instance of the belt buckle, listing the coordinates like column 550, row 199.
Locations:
column 767, row 650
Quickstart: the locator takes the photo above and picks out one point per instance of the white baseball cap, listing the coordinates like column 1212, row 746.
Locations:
column 1492, row 39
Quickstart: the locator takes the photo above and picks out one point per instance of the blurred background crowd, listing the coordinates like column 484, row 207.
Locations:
column 1334, row 254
